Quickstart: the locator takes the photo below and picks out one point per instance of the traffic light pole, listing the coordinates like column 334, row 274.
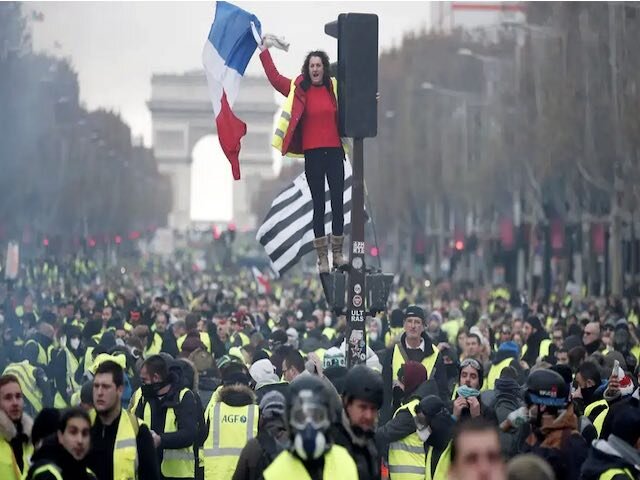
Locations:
column 356, row 297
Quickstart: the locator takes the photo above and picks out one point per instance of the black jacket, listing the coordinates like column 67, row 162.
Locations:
column 187, row 415
column 100, row 458
column 439, row 374
column 618, row 408
column 533, row 348
column 604, row 456
column 361, row 446
column 258, row 453
column 51, row 452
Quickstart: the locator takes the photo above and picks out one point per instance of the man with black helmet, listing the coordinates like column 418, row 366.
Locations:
column 362, row 398
column 312, row 453
column 554, row 436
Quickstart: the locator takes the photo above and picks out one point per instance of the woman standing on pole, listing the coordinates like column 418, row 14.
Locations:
column 308, row 126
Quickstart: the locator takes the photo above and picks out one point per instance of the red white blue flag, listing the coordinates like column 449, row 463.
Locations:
column 226, row 54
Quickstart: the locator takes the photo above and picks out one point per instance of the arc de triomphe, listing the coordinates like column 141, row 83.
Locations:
column 181, row 114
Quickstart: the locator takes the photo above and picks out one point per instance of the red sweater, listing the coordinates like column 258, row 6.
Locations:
column 318, row 123
column 319, row 128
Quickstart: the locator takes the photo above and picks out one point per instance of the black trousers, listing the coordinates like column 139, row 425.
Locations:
column 318, row 164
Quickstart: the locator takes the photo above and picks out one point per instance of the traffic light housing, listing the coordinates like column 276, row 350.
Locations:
column 357, row 35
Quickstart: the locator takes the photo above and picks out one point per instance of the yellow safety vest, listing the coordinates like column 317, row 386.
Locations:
column 155, row 346
column 391, row 335
column 398, row 360
column 451, row 328
column 176, row 463
column 494, row 373
column 592, row 406
column 285, row 118
column 204, row 338
column 54, row 471
column 338, row 465
column 8, row 466
column 598, row 423
column 612, row 472
column 406, row 457
column 635, row 351
column 125, row 450
column 243, row 338
column 441, row 470
column 230, row 428
column 88, row 358
column 25, row 373
column 329, row 332
column 44, row 356
column 543, row 351
column 71, row 384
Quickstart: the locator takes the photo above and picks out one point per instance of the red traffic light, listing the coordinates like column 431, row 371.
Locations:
column 459, row 245
column 374, row 251
column 216, row 232
column 118, row 239
column 92, row 242
column 45, row 242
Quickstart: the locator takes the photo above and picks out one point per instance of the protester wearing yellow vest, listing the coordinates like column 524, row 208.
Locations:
column 34, row 384
column 313, row 97
column 506, row 356
column 231, row 418
column 406, row 450
column 414, row 345
column 65, row 366
column 121, row 446
column 536, row 342
column 434, row 426
column 14, row 456
column 171, row 412
column 37, row 350
column 310, row 416
column 63, row 457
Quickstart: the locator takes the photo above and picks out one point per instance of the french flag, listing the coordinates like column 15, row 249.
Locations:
column 225, row 56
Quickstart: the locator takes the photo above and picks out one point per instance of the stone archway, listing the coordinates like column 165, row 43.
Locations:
column 181, row 114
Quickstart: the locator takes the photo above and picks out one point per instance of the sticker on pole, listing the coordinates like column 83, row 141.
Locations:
column 358, row 248
column 357, row 289
column 357, row 301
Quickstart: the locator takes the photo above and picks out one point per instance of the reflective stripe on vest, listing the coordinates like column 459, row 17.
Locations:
column 494, row 373
column 230, row 428
column 338, row 465
column 398, row 360
column 179, row 462
column 25, row 373
column 598, row 422
column 612, row 472
column 125, row 449
column 406, row 457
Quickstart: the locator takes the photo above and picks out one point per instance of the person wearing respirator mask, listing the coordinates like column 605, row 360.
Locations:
column 434, row 426
column 64, row 366
column 312, row 453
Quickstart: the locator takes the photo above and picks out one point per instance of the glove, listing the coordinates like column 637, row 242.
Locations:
column 518, row 417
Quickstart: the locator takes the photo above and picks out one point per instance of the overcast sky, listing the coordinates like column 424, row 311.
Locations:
column 116, row 46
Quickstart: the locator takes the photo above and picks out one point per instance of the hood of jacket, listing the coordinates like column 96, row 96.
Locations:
column 8, row 429
column 602, row 456
column 236, row 395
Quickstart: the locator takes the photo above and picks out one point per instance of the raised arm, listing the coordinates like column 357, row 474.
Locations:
column 281, row 83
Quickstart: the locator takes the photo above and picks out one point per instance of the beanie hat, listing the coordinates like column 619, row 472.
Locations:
column 430, row 406
column 272, row 405
column 511, row 347
column 277, row 338
column 437, row 316
column 413, row 374
column 534, row 321
column 45, row 424
column 414, row 311
column 397, row 318
column 333, row 357
column 337, row 376
column 234, row 373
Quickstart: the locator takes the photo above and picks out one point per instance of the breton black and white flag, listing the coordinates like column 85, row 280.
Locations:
column 287, row 231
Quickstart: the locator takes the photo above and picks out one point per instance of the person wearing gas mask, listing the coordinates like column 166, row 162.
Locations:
column 554, row 426
column 355, row 430
column 169, row 410
column 312, row 453
column 272, row 439
column 434, row 426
